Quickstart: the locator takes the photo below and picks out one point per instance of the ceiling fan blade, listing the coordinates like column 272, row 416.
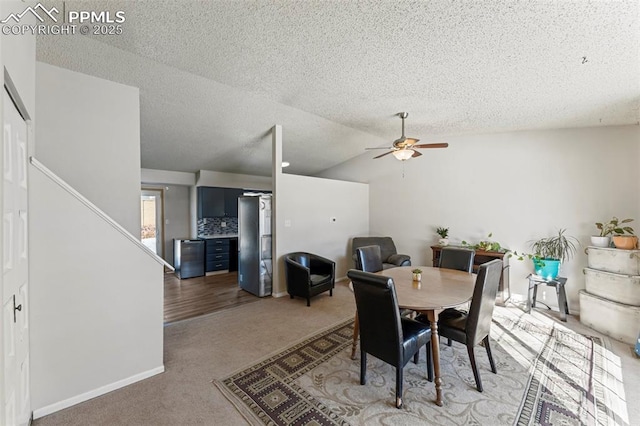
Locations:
column 382, row 155
column 386, row 147
column 416, row 154
column 431, row 145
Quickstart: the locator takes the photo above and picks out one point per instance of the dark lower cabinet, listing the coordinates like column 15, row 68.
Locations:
column 221, row 254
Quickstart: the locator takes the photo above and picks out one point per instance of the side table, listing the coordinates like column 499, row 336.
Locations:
column 558, row 283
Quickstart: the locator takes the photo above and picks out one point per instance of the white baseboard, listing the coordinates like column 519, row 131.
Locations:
column 61, row 405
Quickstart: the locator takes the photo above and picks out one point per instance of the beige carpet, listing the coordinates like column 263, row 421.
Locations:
column 214, row 346
column 548, row 374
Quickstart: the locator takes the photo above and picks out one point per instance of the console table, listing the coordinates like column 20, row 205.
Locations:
column 481, row 256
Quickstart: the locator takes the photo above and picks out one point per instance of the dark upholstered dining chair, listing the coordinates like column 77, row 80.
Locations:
column 383, row 332
column 369, row 259
column 473, row 327
column 308, row 275
column 457, row 258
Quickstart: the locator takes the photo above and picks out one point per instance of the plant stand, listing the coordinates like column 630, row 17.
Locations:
column 558, row 283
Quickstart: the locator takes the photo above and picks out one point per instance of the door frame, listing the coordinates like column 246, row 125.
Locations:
column 160, row 218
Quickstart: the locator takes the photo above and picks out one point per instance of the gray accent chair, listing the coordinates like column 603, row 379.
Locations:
column 388, row 252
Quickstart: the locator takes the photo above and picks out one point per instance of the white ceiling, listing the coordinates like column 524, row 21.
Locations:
column 214, row 76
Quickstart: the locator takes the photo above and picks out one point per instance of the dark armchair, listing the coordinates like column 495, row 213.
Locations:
column 388, row 252
column 308, row 275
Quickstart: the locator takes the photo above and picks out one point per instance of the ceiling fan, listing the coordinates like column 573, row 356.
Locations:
column 404, row 147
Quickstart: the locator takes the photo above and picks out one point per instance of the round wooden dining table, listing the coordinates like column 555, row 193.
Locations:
column 439, row 289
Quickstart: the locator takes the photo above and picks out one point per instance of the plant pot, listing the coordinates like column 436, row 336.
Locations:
column 443, row 241
column 625, row 242
column 597, row 241
column 417, row 277
column 546, row 268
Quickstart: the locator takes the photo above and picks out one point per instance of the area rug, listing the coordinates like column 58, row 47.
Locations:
column 547, row 374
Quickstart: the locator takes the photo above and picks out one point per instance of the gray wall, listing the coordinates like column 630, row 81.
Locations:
column 96, row 297
column 520, row 186
column 89, row 135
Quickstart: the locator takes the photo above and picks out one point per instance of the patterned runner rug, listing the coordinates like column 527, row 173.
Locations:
column 547, row 374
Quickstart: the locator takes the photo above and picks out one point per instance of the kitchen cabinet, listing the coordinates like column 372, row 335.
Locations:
column 218, row 202
column 221, row 254
column 231, row 201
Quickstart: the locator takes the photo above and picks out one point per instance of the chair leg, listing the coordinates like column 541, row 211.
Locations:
column 330, row 292
column 291, row 296
column 308, row 301
column 448, row 342
column 399, row 372
column 472, row 358
column 363, row 367
column 486, row 345
column 429, row 363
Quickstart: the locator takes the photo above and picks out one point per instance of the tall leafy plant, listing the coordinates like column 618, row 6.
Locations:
column 559, row 247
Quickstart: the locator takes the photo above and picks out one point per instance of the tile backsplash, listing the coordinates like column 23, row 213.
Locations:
column 213, row 226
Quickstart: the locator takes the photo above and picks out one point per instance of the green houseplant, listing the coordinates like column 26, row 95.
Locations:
column 444, row 234
column 549, row 252
column 614, row 226
column 417, row 274
column 623, row 237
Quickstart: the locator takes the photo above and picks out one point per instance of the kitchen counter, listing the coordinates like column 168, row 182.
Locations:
column 208, row 237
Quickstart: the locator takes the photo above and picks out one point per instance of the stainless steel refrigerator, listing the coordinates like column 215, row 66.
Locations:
column 254, row 244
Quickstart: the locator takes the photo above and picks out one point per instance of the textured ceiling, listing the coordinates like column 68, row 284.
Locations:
column 214, row 76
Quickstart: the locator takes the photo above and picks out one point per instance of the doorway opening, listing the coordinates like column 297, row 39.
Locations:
column 151, row 219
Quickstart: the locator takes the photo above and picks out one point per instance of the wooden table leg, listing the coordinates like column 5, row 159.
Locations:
column 356, row 334
column 435, row 354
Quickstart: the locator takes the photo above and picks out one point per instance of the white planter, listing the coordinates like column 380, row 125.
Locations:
column 597, row 241
column 614, row 319
column 614, row 260
column 443, row 241
column 615, row 287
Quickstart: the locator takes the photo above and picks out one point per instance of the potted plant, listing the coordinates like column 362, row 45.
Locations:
column 444, row 234
column 486, row 245
column 622, row 241
column 614, row 226
column 550, row 252
column 417, row 274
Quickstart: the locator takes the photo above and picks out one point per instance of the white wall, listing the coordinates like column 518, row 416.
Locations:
column 520, row 186
column 89, row 135
column 96, row 297
column 96, row 303
column 232, row 180
column 308, row 204
column 153, row 176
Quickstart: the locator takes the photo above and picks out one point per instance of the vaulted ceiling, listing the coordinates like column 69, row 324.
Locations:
column 214, row 76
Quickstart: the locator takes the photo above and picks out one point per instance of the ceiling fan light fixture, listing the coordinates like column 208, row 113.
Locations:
column 403, row 154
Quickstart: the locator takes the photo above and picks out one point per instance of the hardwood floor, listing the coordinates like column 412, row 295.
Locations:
column 202, row 295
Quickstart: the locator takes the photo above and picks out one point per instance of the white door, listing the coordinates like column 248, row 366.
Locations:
column 15, row 274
